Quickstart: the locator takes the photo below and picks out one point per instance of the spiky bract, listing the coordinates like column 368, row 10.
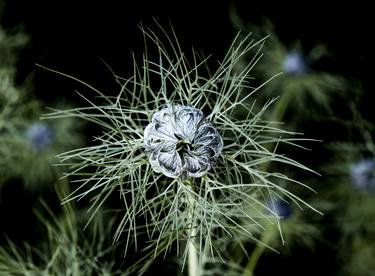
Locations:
column 202, row 209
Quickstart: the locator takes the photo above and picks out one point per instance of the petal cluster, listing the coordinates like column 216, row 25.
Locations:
column 280, row 208
column 39, row 135
column 295, row 64
column 363, row 174
column 181, row 142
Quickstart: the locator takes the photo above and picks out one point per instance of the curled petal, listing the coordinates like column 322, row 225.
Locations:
column 170, row 164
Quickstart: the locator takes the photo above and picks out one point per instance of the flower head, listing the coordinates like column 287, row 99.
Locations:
column 363, row 174
column 280, row 208
column 295, row 64
column 181, row 143
column 159, row 126
column 39, row 136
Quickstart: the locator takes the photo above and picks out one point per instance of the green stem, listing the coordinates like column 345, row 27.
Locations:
column 281, row 106
column 4, row 115
column 193, row 259
column 277, row 115
column 193, row 263
column 257, row 253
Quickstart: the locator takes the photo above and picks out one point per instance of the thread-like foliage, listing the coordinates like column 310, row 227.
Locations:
column 65, row 250
column 169, row 211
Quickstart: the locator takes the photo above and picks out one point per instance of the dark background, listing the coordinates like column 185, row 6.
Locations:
column 70, row 36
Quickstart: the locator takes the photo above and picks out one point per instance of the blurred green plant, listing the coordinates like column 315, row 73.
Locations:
column 294, row 230
column 301, row 90
column 304, row 93
column 66, row 249
column 27, row 146
column 10, row 45
column 352, row 173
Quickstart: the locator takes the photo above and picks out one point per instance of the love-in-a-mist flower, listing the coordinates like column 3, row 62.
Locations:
column 362, row 174
column 295, row 63
column 184, row 148
column 180, row 142
column 280, row 208
column 27, row 146
column 300, row 88
column 39, row 135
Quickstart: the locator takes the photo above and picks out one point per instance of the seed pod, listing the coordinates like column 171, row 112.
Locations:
column 181, row 142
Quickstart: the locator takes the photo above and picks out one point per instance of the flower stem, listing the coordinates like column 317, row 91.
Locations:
column 281, row 106
column 193, row 259
column 193, row 263
column 257, row 253
column 4, row 115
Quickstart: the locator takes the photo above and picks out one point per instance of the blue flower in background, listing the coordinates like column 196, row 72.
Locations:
column 39, row 136
column 280, row 207
column 295, row 63
column 363, row 174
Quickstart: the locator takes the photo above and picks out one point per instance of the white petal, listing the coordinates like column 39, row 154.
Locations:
column 170, row 164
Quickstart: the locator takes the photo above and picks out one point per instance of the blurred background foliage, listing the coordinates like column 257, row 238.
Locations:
column 324, row 92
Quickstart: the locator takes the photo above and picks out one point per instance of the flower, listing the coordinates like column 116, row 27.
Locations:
column 39, row 136
column 181, row 142
column 156, row 145
column 295, row 64
column 363, row 174
column 280, row 208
